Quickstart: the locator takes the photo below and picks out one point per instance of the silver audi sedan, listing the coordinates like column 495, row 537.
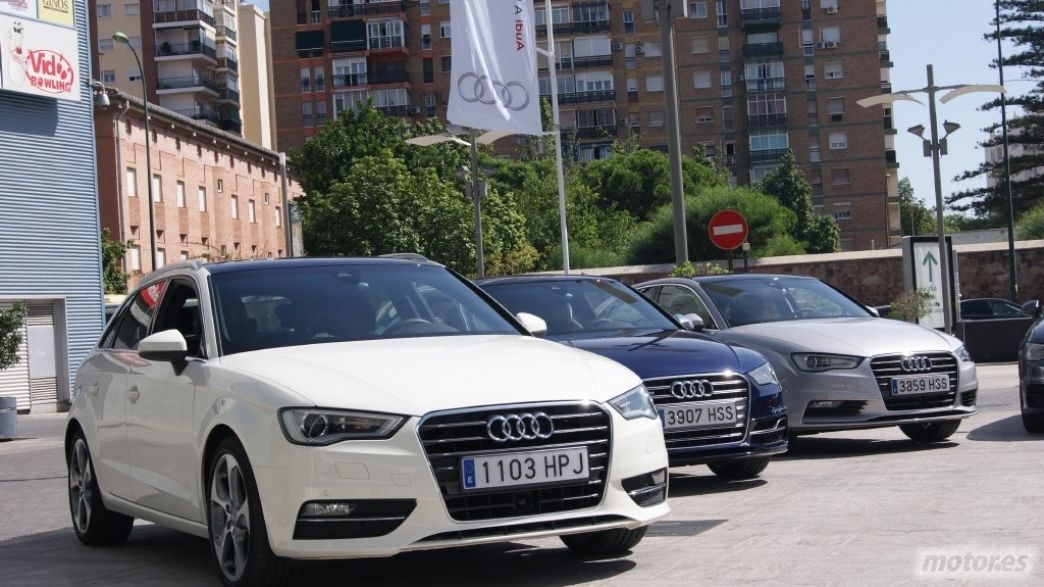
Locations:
column 841, row 366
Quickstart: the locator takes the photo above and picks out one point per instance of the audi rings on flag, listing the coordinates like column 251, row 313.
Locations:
column 494, row 69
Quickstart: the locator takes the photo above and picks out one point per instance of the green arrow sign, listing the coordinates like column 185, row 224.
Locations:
column 930, row 260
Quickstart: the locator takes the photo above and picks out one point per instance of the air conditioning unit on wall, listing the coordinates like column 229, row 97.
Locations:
column 831, row 9
column 617, row 46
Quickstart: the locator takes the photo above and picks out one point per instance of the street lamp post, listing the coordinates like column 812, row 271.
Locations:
column 122, row 38
column 1013, row 275
column 934, row 148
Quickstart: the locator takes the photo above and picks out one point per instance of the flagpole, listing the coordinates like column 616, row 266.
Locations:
column 555, row 128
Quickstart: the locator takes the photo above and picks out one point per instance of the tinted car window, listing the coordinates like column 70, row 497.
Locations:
column 975, row 308
column 181, row 312
column 774, row 299
column 584, row 305
column 677, row 299
column 1003, row 309
column 309, row 305
column 134, row 325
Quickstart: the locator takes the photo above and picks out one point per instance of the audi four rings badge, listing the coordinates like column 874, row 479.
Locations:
column 692, row 389
column 476, row 88
column 505, row 427
column 914, row 364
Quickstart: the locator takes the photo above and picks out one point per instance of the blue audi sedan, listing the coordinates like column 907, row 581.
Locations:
column 720, row 405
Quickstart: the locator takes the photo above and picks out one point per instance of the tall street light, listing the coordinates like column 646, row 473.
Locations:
column 935, row 148
column 1013, row 276
column 122, row 38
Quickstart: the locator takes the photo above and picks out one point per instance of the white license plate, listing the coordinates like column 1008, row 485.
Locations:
column 920, row 384
column 696, row 415
column 525, row 468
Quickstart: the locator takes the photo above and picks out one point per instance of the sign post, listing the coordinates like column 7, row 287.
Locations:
column 922, row 270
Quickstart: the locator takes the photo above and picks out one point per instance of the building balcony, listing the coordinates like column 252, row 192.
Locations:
column 226, row 33
column 584, row 97
column 198, row 113
column 347, row 10
column 760, row 18
column 594, row 132
column 889, row 127
column 228, row 63
column 590, row 61
column 882, row 24
column 767, row 155
column 182, row 16
column 762, row 49
column 351, row 46
column 561, row 28
column 776, row 119
column 382, row 8
column 890, row 160
column 886, row 58
column 230, row 124
column 886, row 87
column 769, row 84
column 186, row 83
column 228, row 95
column 386, row 43
column 351, row 80
column 389, row 77
column 190, row 49
column 590, row 26
column 396, row 110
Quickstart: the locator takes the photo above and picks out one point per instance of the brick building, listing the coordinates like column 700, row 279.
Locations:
column 755, row 78
column 217, row 196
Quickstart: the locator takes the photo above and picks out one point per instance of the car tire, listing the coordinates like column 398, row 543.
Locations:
column 931, row 431
column 236, row 525
column 604, row 542
column 95, row 525
column 740, row 469
column 1033, row 423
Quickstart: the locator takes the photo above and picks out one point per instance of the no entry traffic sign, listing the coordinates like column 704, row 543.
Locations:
column 727, row 229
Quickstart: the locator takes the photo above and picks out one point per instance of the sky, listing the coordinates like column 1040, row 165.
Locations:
column 947, row 34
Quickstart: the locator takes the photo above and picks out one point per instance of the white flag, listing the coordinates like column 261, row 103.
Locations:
column 494, row 76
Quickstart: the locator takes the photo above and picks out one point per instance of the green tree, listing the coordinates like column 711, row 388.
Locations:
column 11, row 322
column 915, row 218
column 770, row 226
column 1031, row 225
column 112, row 251
column 818, row 234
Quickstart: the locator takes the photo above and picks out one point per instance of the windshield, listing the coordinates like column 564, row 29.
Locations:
column 581, row 306
column 282, row 307
column 775, row 299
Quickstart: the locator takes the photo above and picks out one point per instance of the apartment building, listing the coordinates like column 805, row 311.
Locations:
column 755, row 78
column 215, row 196
column 189, row 51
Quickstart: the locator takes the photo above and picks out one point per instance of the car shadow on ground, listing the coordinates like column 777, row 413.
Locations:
column 1009, row 429
column 156, row 555
column 826, row 447
column 686, row 484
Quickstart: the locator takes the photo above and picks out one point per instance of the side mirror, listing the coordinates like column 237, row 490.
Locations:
column 691, row 322
column 534, row 324
column 874, row 311
column 168, row 345
column 1033, row 308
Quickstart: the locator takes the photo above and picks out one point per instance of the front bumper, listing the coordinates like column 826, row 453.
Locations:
column 863, row 403
column 767, row 436
column 398, row 469
column 1031, row 387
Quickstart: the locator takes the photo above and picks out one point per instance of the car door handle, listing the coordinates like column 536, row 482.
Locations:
column 133, row 394
column 93, row 389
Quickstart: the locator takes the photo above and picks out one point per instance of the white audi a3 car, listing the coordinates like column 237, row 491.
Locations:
column 335, row 408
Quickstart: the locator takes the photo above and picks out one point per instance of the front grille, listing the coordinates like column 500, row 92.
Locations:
column 770, row 431
column 569, row 524
column 725, row 386
column 888, row 366
column 968, row 397
column 449, row 436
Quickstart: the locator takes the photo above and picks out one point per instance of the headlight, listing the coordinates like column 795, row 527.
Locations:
column 1034, row 351
column 764, row 375
column 820, row 362
column 635, row 404
column 319, row 427
column 963, row 355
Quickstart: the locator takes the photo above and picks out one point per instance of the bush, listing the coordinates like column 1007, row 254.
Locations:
column 687, row 269
column 585, row 258
column 911, row 305
column 1031, row 224
column 11, row 322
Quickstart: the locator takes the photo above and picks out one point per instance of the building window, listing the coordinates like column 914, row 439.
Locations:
column 104, row 10
column 429, row 104
column 306, row 80
column 700, row 45
column 766, row 104
column 445, row 31
column 130, row 185
column 813, row 149
column 320, row 113
column 180, row 194
column 628, row 20
column 234, row 202
column 723, row 18
column 833, row 70
column 134, row 257
column 704, row 115
column 184, row 255
column 697, row 10
column 828, row 5
column 267, row 198
column 202, row 193
column 251, row 212
column 348, row 101
column 657, row 118
column 429, row 71
column 772, row 141
column 425, row 36
column 425, row 10
column 306, row 114
column 839, row 176
column 654, row 83
column 319, row 75
column 838, row 140
column 385, row 34
column 104, row 45
column 701, row 80
column 652, row 49
column 131, row 9
column 810, row 77
column 157, row 189
column 836, row 108
column 161, row 258
column 221, row 185
column 726, row 84
column 830, row 37
column 109, row 76
column 446, row 62
column 842, row 211
column 278, row 216
column 813, row 112
column 808, row 47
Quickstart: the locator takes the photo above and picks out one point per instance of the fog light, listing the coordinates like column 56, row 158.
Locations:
column 825, row 404
column 327, row 509
column 659, row 477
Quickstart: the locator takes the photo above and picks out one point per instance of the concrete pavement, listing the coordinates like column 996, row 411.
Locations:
column 851, row 508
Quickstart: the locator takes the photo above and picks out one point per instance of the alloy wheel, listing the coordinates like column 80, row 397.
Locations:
column 229, row 517
column 81, row 491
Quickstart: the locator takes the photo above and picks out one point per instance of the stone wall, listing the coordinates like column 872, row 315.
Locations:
column 876, row 277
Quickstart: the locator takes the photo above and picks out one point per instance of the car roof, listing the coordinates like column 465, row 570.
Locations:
column 740, row 277
column 238, row 266
column 538, row 279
